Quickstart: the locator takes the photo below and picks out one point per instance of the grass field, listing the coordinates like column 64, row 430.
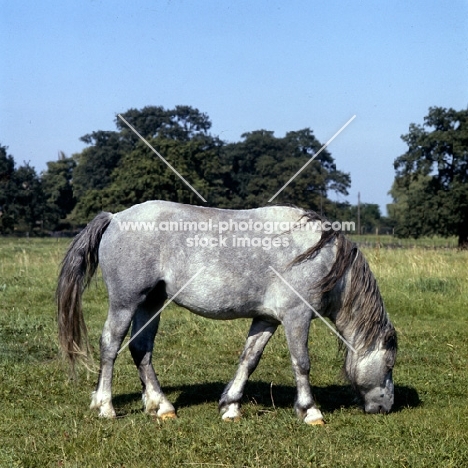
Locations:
column 388, row 241
column 45, row 420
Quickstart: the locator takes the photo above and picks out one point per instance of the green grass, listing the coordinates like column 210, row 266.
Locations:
column 389, row 241
column 45, row 420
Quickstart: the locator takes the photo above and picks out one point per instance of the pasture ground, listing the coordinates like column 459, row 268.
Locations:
column 45, row 420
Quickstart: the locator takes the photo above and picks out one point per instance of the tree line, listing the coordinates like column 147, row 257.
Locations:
column 116, row 170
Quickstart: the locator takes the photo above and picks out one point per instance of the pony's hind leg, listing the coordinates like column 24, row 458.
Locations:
column 296, row 327
column 141, row 348
column 113, row 333
column 259, row 334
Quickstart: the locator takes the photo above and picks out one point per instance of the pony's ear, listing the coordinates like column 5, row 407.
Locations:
column 390, row 345
column 390, row 338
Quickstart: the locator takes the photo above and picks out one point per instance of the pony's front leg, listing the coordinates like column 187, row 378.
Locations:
column 296, row 328
column 259, row 334
column 113, row 333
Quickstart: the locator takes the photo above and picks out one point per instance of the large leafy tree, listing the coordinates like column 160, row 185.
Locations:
column 142, row 176
column 94, row 165
column 96, row 162
column 58, row 189
column 22, row 202
column 182, row 123
column 133, row 173
column 262, row 163
column 430, row 190
column 29, row 200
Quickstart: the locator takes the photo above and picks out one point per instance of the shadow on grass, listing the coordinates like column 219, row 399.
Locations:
column 329, row 398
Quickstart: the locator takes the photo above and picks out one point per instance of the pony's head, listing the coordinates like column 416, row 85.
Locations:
column 370, row 372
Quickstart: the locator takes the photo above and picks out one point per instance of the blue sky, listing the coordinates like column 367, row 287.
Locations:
column 68, row 67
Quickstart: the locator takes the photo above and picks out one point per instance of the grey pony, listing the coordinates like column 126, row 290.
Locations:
column 243, row 253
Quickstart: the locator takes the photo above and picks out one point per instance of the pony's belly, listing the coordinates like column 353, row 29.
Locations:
column 223, row 315
column 220, row 313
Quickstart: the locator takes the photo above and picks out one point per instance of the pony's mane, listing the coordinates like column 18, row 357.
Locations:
column 362, row 311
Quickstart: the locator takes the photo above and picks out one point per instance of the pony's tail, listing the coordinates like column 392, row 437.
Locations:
column 78, row 267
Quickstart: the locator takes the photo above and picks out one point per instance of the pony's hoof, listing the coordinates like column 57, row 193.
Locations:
column 231, row 413
column 314, row 417
column 316, row 422
column 170, row 415
column 231, row 419
column 107, row 414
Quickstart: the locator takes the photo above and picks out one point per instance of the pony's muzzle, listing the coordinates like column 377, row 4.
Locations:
column 374, row 408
